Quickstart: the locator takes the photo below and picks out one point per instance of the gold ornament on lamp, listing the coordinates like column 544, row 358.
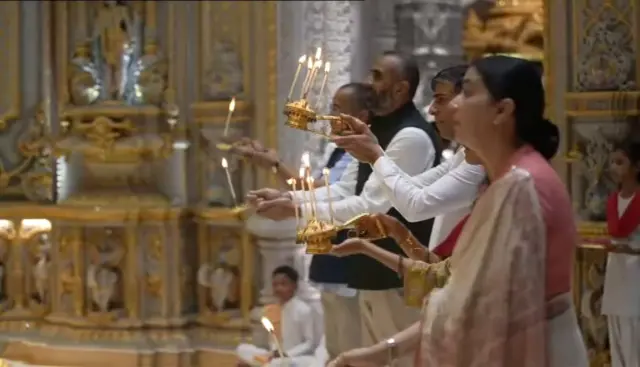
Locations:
column 301, row 113
column 319, row 234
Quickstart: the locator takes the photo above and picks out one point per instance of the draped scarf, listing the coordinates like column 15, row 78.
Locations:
column 491, row 312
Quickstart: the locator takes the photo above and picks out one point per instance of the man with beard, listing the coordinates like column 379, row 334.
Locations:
column 411, row 143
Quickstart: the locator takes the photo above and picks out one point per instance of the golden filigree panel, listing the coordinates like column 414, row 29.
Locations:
column 10, row 38
column 604, row 45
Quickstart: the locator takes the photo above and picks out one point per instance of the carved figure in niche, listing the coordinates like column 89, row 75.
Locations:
column 223, row 282
column 113, row 25
column 607, row 55
column 596, row 144
column 224, row 79
column 104, row 278
column 41, row 269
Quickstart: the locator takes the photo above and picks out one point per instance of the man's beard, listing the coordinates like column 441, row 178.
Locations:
column 383, row 102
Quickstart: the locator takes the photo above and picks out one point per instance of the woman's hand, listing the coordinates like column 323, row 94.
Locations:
column 379, row 225
column 351, row 246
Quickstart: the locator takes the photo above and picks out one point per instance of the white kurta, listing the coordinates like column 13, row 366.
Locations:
column 621, row 301
column 299, row 338
column 445, row 192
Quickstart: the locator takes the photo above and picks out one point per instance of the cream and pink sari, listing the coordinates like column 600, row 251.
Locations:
column 494, row 310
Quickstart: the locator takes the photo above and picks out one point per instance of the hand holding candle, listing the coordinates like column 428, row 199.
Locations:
column 272, row 331
column 301, row 61
column 232, row 107
column 225, row 165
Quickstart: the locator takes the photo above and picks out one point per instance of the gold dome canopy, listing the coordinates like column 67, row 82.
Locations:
column 511, row 27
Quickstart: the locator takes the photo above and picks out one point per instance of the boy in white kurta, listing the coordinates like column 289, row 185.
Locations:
column 621, row 300
column 293, row 321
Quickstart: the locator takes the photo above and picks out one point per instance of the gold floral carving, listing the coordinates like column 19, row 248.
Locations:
column 512, row 27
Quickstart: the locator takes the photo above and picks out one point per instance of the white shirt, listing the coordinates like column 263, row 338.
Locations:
column 445, row 192
column 411, row 149
column 621, row 293
column 297, row 329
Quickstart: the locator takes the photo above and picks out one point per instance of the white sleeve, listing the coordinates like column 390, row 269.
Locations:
column 426, row 196
column 411, row 149
column 345, row 187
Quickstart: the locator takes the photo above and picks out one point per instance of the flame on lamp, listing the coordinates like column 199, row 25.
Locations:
column 232, row 104
column 267, row 324
column 305, row 159
column 225, row 164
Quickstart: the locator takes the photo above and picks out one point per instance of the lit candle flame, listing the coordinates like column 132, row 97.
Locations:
column 232, row 104
column 267, row 324
column 225, row 164
column 302, row 59
column 327, row 67
column 302, row 172
column 310, row 64
column 305, row 159
column 318, row 53
column 318, row 64
column 326, row 172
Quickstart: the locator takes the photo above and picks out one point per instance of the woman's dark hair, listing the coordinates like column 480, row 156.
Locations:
column 631, row 149
column 521, row 81
column 287, row 271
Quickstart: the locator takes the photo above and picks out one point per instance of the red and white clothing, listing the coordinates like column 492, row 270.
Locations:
column 621, row 299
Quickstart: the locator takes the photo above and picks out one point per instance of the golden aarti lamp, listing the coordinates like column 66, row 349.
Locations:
column 300, row 113
column 319, row 234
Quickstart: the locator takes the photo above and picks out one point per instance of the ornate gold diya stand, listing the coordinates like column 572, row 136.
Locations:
column 117, row 282
column 319, row 235
column 301, row 116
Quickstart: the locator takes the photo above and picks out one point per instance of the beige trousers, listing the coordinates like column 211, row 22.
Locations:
column 341, row 323
column 384, row 314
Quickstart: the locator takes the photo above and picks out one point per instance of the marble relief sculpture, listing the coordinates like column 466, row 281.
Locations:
column 103, row 274
column 41, row 268
column 117, row 68
column 222, row 280
column 224, row 78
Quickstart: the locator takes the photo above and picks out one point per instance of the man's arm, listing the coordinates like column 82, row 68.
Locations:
column 435, row 192
column 405, row 150
column 345, row 187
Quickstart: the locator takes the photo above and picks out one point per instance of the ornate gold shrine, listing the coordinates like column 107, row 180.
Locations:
column 513, row 27
column 115, row 253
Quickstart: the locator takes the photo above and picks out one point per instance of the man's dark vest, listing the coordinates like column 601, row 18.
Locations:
column 364, row 272
column 329, row 268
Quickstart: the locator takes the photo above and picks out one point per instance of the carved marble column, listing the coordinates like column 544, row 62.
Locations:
column 431, row 30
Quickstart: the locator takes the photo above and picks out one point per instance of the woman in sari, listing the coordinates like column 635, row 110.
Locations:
column 506, row 299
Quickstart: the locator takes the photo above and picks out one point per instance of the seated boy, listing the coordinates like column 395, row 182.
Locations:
column 293, row 321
